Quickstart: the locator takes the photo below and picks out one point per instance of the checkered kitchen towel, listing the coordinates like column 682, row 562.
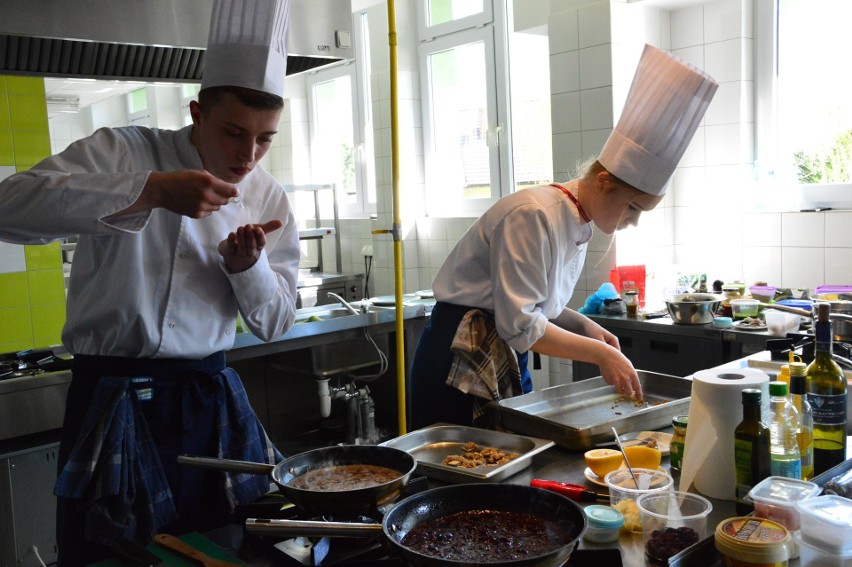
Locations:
column 484, row 365
column 116, row 473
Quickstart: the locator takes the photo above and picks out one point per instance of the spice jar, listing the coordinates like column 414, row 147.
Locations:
column 632, row 302
column 679, row 423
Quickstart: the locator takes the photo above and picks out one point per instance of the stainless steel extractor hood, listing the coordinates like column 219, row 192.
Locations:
column 149, row 40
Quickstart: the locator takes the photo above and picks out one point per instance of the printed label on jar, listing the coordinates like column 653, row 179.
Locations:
column 828, row 410
column 676, row 455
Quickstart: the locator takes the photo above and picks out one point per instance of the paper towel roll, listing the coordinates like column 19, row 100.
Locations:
column 715, row 410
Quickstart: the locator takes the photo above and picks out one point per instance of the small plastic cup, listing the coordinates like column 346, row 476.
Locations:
column 672, row 521
column 623, row 492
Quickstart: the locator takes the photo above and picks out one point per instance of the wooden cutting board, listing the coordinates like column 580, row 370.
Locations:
column 172, row 558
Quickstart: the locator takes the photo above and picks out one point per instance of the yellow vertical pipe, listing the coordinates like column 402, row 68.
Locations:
column 397, row 223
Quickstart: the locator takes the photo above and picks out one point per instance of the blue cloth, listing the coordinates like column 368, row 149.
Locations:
column 115, row 470
column 594, row 303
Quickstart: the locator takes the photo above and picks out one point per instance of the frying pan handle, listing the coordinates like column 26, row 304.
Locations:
column 225, row 465
column 295, row 528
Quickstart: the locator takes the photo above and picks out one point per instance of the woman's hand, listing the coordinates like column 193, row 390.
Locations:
column 618, row 371
column 242, row 248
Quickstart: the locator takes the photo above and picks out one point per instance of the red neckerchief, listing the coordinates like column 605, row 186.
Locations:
column 580, row 208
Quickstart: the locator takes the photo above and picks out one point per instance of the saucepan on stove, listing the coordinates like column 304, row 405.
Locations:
column 464, row 524
column 343, row 479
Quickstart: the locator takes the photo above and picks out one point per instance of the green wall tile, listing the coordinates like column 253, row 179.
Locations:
column 46, row 286
column 28, row 112
column 2, row 84
column 47, row 323
column 24, row 85
column 5, row 118
column 13, row 290
column 7, row 149
column 30, row 147
column 43, row 257
column 15, row 325
column 16, row 346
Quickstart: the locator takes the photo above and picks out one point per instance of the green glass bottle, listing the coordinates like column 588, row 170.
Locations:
column 826, row 388
column 751, row 450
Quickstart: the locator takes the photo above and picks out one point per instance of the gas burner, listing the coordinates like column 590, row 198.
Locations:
column 17, row 369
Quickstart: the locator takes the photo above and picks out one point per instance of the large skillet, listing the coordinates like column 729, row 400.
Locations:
column 437, row 502
column 318, row 503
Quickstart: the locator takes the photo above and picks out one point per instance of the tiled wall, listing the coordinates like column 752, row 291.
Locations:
column 32, row 290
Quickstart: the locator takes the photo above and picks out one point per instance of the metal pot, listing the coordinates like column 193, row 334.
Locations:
column 693, row 308
column 318, row 503
column 841, row 314
column 438, row 502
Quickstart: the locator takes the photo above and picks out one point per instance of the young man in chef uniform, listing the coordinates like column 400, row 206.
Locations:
column 503, row 289
column 179, row 231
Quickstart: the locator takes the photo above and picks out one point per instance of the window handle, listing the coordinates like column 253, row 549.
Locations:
column 492, row 136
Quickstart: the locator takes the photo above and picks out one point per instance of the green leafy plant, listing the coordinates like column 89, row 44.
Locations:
column 833, row 165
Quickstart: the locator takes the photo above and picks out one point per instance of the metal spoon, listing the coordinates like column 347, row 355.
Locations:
column 623, row 454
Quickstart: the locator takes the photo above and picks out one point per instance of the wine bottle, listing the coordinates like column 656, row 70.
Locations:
column 751, row 450
column 826, row 387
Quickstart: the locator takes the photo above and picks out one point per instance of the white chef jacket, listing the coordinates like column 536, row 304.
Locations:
column 152, row 284
column 521, row 260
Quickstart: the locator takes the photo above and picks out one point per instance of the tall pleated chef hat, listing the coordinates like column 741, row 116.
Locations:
column 247, row 45
column 665, row 104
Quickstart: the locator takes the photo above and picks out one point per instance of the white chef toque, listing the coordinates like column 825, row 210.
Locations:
column 247, row 45
column 666, row 102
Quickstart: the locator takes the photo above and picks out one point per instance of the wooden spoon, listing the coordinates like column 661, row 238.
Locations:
column 187, row 550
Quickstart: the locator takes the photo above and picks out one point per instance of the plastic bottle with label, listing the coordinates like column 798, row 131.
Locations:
column 805, row 429
column 784, row 456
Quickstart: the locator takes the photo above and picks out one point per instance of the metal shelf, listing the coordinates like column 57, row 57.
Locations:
column 321, row 232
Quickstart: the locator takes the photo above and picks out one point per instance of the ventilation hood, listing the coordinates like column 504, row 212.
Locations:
column 149, row 40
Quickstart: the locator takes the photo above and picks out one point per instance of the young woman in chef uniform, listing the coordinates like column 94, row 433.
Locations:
column 503, row 289
column 179, row 231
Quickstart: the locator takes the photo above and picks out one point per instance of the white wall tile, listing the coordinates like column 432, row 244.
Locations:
column 567, row 150
column 693, row 55
column 803, row 229
column 597, row 268
column 565, row 72
column 687, row 27
column 723, row 20
column 12, row 258
column 596, row 107
column 565, row 112
column 838, row 229
column 838, row 266
column 724, row 61
column 595, row 67
column 593, row 141
column 594, row 22
column 695, row 154
column 6, row 171
column 728, row 144
column 802, row 267
column 761, row 229
column 601, row 242
column 689, row 187
column 438, row 250
column 762, row 264
column 563, row 32
column 732, row 104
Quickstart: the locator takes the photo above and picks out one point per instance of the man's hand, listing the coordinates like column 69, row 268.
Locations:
column 192, row 193
column 242, row 248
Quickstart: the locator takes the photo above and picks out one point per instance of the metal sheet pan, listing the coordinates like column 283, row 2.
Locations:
column 429, row 446
column 581, row 414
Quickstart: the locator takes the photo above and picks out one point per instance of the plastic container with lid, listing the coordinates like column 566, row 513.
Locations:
column 827, row 523
column 742, row 308
column 746, row 541
column 810, row 556
column 604, row 524
column 775, row 499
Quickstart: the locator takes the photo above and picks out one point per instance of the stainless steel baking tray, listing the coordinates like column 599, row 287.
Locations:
column 429, row 447
column 581, row 414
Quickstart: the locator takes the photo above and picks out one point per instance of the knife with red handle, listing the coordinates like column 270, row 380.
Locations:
column 573, row 491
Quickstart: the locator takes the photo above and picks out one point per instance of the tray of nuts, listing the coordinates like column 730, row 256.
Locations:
column 455, row 453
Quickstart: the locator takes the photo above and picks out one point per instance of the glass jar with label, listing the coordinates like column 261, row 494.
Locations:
column 632, row 302
column 679, row 423
column 730, row 292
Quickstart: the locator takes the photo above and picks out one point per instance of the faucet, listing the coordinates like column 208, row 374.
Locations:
column 346, row 304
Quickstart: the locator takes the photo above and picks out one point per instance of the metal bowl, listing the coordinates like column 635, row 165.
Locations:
column 693, row 308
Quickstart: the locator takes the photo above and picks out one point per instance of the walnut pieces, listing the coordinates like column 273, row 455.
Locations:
column 475, row 456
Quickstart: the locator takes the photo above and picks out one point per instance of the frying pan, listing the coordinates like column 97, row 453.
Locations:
column 318, row 503
column 437, row 502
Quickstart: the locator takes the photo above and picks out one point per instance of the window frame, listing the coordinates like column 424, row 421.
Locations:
column 428, row 33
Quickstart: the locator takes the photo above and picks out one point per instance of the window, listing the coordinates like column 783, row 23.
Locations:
column 188, row 93
column 137, row 107
column 341, row 129
column 805, row 140
column 474, row 153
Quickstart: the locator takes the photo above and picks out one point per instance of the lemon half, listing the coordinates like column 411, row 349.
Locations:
column 602, row 461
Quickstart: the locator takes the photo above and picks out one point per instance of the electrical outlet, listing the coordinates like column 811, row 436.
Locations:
column 367, row 250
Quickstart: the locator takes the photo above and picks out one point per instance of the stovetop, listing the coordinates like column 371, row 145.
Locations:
column 31, row 363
